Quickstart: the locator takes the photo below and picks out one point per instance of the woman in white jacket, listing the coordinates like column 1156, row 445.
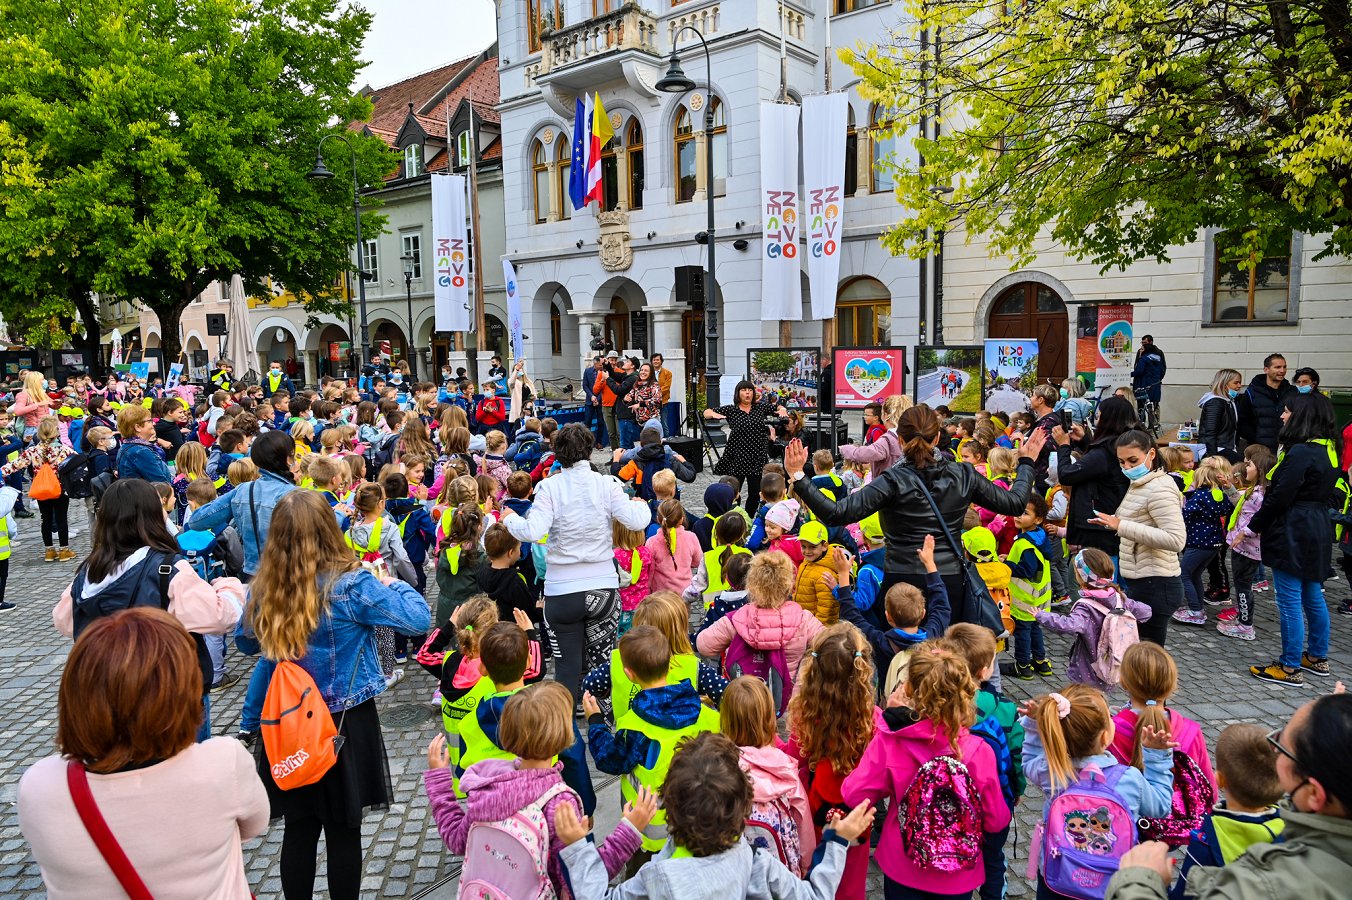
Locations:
column 574, row 508
column 1149, row 524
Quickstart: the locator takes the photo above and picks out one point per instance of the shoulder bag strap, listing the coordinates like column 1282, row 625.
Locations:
column 94, row 823
column 253, row 512
column 166, row 573
column 340, row 739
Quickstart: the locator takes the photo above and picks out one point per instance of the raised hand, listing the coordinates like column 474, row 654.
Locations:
column 567, row 826
column 795, row 457
column 1158, row 740
column 437, row 755
column 858, row 822
column 522, row 620
column 1033, row 445
column 926, row 554
column 640, row 811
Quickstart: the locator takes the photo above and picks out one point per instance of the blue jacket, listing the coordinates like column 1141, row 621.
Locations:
column 888, row 643
column 283, row 385
column 357, row 603
column 671, row 706
column 138, row 459
column 1148, row 371
column 257, row 498
column 419, row 533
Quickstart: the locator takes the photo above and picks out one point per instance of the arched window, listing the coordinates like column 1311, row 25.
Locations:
column 610, row 172
column 687, row 165
column 851, row 154
column 540, row 176
column 633, row 145
column 565, row 158
column 884, row 145
column 863, row 314
column 685, row 157
column 541, row 16
column 627, row 143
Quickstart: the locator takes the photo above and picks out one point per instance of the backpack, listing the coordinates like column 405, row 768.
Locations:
column 205, row 560
column 896, row 672
column 380, row 453
column 1118, row 634
column 528, row 453
column 74, row 477
column 98, row 486
column 769, row 666
column 509, row 859
column 299, row 736
column 772, row 834
column 990, row 731
column 1087, row 830
column 940, row 817
column 1193, row 798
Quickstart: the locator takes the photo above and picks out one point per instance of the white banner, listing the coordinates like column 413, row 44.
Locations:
column 824, row 123
column 781, row 287
column 450, row 253
column 513, row 309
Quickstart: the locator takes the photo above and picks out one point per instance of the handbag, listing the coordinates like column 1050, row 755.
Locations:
column 977, row 603
column 78, row 781
column 46, row 486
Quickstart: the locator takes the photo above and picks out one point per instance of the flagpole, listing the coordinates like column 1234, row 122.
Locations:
column 472, row 347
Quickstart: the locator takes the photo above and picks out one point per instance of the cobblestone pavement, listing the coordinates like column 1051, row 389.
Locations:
column 404, row 855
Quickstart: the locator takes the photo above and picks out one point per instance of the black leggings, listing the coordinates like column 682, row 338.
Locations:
column 54, row 519
column 584, row 625
column 300, row 855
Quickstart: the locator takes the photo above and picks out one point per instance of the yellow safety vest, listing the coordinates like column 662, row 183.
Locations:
column 714, row 569
column 653, row 770
column 274, row 382
column 1036, row 593
column 453, row 712
column 4, row 540
column 222, row 380
column 684, row 667
column 373, row 544
column 475, row 745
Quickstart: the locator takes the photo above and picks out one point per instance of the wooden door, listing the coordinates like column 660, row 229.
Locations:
column 1031, row 310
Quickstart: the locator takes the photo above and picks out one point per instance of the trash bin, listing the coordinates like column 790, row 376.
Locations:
column 1342, row 407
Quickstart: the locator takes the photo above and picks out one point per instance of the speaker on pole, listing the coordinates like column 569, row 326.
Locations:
column 215, row 324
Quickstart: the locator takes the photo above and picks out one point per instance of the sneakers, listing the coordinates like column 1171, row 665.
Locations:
column 227, row 680
column 6, row 606
column 1277, row 674
column 51, row 555
column 23, row 513
column 394, row 678
column 1016, row 670
column 1228, row 615
column 1062, row 601
column 1236, row 630
column 1345, row 609
column 1188, row 617
column 1215, row 599
column 246, row 738
column 1263, row 585
column 1042, row 667
column 401, row 658
column 65, row 555
column 1314, row 666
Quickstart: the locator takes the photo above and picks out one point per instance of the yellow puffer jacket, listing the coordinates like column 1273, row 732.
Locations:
column 812, row 590
column 1152, row 531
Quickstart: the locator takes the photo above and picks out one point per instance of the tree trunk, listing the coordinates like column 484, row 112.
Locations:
column 89, row 344
column 169, row 312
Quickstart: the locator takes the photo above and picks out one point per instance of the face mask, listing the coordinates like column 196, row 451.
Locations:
column 276, row 371
column 1305, row 388
column 1137, row 472
column 1064, row 394
column 1233, row 393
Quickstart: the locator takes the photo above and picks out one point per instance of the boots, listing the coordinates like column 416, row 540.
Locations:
column 66, row 554
column 51, row 555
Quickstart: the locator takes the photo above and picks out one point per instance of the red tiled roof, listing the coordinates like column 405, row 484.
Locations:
column 391, row 103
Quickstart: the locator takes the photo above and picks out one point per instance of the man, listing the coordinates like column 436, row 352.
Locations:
column 591, row 411
column 1312, row 860
column 1043, row 399
column 606, row 397
column 1260, row 405
column 495, row 370
column 276, row 381
column 663, row 376
column 621, row 382
column 224, row 377
column 1148, row 373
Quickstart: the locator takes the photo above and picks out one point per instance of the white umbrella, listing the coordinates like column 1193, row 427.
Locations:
column 238, row 344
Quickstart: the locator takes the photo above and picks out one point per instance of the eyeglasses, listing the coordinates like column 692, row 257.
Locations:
column 1274, row 738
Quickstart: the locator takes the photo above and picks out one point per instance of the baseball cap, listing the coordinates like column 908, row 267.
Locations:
column 980, row 543
column 872, row 527
column 613, row 354
column 812, row 533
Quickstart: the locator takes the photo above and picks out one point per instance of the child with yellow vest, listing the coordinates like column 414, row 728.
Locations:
column 710, row 580
column 463, row 683
column 1030, row 586
column 458, row 560
column 645, row 738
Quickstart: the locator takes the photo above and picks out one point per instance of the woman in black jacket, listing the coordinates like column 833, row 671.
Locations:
column 1296, row 535
column 1218, row 422
column 1095, row 480
column 905, row 513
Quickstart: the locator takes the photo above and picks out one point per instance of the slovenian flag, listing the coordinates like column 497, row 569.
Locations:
column 601, row 133
column 577, row 173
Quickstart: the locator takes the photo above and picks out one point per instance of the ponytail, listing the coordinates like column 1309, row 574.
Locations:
column 1071, row 724
column 729, row 532
column 670, row 515
column 480, row 614
column 918, row 431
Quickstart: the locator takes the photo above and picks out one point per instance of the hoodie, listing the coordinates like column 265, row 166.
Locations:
column 789, row 627
column 1186, row 732
column 497, row 789
column 1085, row 621
column 418, row 532
column 391, row 547
column 670, row 707
column 718, row 499
column 777, row 788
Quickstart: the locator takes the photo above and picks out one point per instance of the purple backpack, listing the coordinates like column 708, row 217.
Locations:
column 1193, row 798
column 940, row 817
column 1087, row 830
column 768, row 665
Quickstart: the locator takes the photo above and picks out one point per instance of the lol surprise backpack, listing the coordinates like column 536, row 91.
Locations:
column 508, row 859
column 769, row 665
column 1087, row 830
column 940, row 817
column 1193, row 798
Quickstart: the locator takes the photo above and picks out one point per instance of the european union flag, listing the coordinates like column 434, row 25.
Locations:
column 577, row 175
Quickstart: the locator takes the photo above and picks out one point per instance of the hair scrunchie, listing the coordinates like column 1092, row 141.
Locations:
column 1062, row 705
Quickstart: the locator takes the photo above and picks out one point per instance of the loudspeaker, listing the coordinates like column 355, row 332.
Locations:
column 690, row 286
column 692, row 448
column 215, row 325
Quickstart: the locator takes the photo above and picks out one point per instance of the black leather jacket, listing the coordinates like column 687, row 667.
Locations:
column 906, row 514
column 1217, row 425
column 1096, row 482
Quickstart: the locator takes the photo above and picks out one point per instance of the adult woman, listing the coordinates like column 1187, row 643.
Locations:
column 1095, row 480
column 522, row 390
column 250, row 507
column 645, row 398
column 127, row 710
column 748, row 443
column 1218, row 423
column 313, row 604
column 906, row 515
column 48, row 450
column 1150, row 531
column 33, row 404
column 1306, row 380
column 883, row 453
column 576, row 508
column 1296, row 537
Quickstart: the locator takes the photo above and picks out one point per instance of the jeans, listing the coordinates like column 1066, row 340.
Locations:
column 204, row 730
column 54, row 519
column 216, row 648
column 1163, row 594
column 1195, row 561
column 1062, row 580
column 252, row 710
column 993, row 858
column 593, row 419
column 1245, row 569
column 613, row 431
column 584, row 624
column 628, row 432
column 1301, row 603
column 1028, row 642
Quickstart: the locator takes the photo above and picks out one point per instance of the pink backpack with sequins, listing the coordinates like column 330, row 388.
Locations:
column 940, row 817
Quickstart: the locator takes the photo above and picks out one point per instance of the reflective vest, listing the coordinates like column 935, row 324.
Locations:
column 836, row 489
column 274, row 380
column 714, row 569
column 1341, row 501
column 222, row 380
column 684, row 667
column 653, row 770
column 453, row 712
column 475, row 745
column 372, row 547
column 4, row 540
column 1036, row 593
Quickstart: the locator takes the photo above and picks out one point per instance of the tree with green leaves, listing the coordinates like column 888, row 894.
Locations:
column 1120, row 128
column 151, row 147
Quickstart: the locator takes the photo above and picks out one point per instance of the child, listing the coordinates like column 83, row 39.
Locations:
column 1099, row 596
column 190, row 464
column 1001, row 465
column 733, row 598
column 974, row 453
column 375, row 539
column 634, row 561
column 499, row 578
column 816, row 577
column 1069, row 731
column 646, row 736
column 667, row 613
column 48, row 451
column 1179, row 462
column 831, row 720
column 711, row 580
column 458, row 560
column 169, row 502
column 933, row 721
column 675, row 551
column 463, row 683
column 1246, row 769
column 772, row 491
column 981, row 547
column 492, row 463
column 779, row 521
column 1246, row 560
column 1150, row 677
column 706, row 798
column 536, row 727
column 241, row 471
column 910, row 620
column 1206, row 509
column 1030, row 588
column 779, row 801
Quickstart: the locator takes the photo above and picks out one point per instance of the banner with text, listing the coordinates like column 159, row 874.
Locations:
column 450, row 253
column 1116, row 345
column 824, row 123
column 781, row 286
column 513, row 310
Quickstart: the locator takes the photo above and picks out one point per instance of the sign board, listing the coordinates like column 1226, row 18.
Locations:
column 949, row 376
column 140, row 370
column 1010, row 366
column 789, row 373
column 175, row 375
column 864, row 375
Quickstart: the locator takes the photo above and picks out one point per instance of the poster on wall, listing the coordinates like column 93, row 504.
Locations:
column 1115, row 345
column 1086, row 345
column 140, row 370
column 788, row 373
column 949, row 376
column 865, row 375
column 1010, row 374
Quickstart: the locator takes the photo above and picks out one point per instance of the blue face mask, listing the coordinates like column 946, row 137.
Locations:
column 1064, row 393
column 1137, row 472
column 1305, row 388
column 1233, row 393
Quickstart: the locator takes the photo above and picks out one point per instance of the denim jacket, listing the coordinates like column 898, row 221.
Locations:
column 239, row 507
column 357, row 603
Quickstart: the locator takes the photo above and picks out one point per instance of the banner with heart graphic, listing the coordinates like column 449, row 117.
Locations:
column 868, row 375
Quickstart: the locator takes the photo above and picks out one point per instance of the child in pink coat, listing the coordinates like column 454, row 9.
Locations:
column 675, row 552
column 1150, row 677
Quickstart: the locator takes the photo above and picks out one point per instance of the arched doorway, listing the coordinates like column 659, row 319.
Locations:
column 863, row 314
column 1031, row 310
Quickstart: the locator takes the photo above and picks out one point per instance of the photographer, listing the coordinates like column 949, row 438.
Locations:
column 605, row 397
column 621, row 379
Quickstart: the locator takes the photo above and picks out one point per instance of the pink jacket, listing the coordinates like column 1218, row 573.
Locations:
column 673, row 571
column 496, row 789
column 30, row 412
column 1187, row 733
column 880, row 455
column 1242, row 543
column 774, row 777
column 789, row 627
column 890, row 764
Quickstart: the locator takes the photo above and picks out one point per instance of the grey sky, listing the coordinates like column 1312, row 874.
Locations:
column 412, row 36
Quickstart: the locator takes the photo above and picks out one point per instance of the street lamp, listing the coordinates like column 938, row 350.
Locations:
column 321, row 173
column 677, row 82
column 407, row 260
column 939, row 191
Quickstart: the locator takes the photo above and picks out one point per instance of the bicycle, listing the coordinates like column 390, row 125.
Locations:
column 1147, row 411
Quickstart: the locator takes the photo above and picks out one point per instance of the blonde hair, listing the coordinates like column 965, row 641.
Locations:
column 537, row 722
column 329, row 441
column 131, row 417
column 1210, row 472
column 625, row 538
column 303, row 549
column 453, row 417
column 664, row 482
column 35, row 386
column 1081, row 733
column 242, row 471
column 49, row 429
column 769, row 580
column 1001, row 461
column 458, row 490
column 831, row 713
column 495, row 439
column 478, row 614
column 1150, row 677
column 191, row 460
column 893, row 407
column 303, row 430
column 940, row 687
column 747, row 712
column 667, row 612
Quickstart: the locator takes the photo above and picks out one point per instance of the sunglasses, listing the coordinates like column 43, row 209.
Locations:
column 1274, row 738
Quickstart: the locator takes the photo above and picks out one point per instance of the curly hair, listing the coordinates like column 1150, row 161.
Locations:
column 831, row 713
column 706, row 794
column 940, row 688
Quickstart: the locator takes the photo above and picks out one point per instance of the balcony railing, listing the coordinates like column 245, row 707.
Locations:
column 627, row 28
